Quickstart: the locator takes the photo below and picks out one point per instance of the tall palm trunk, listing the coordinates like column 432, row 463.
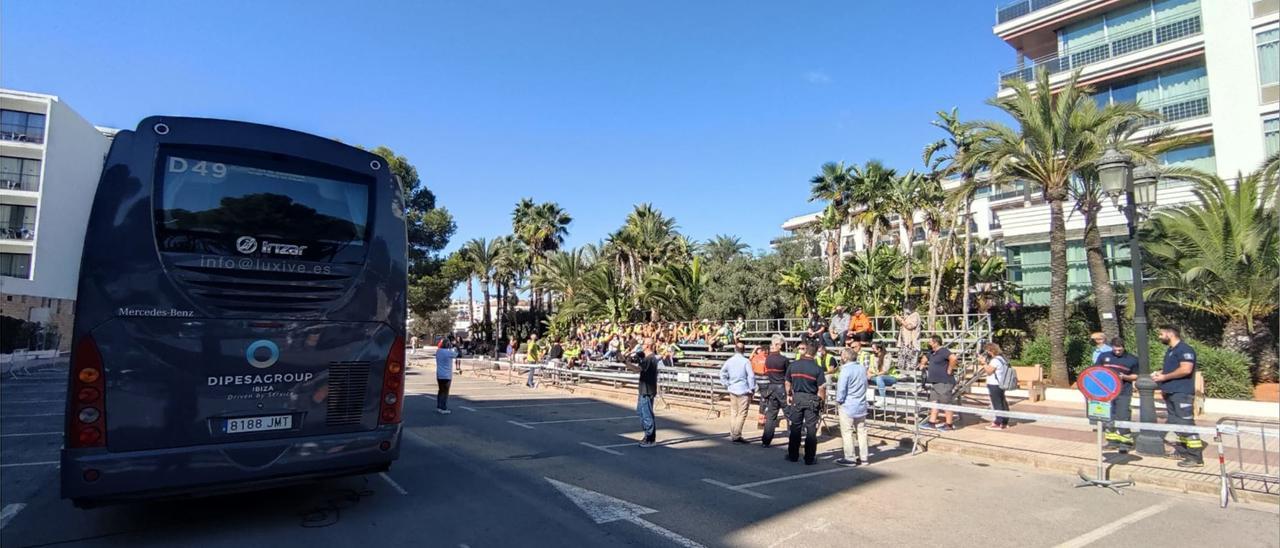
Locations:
column 471, row 303
column 488, row 326
column 1057, row 291
column 502, row 308
column 968, row 243
column 1099, row 277
column 1255, row 343
column 935, row 274
column 909, row 251
column 833, row 256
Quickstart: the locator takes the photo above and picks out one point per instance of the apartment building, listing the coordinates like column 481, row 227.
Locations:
column 50, row 161
column 1210, row 67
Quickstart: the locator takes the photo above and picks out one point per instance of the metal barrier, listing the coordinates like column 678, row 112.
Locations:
column 1246, row 476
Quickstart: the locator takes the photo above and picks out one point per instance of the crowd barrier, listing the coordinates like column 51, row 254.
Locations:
column 702, row 385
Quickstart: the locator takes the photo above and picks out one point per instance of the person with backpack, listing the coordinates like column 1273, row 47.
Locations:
column 1000, row 379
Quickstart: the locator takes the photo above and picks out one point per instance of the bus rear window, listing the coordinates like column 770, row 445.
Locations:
column 227, row 208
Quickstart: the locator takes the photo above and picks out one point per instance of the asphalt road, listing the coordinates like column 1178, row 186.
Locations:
column 519, row 467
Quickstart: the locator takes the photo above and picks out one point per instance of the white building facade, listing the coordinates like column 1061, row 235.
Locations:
column 1210, row 67
column 50, row 161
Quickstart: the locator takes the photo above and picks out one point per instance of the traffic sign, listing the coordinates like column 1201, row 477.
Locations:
column 1099, row 384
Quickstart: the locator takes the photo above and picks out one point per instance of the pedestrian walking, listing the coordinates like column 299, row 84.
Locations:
column 1125, row 366
column 775, row 393
column 738, row 378
column 851, row 395
column 413, row 345
column 445, row 356
column 532, row 354
column 1177, row 383
column 997, row 369
column 940, row 373
column 806, row 390
column 646, row 362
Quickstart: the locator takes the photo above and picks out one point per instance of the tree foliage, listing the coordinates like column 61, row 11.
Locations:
column 429, row 228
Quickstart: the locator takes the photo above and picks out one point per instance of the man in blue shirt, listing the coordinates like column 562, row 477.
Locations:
column 1125, row 366
column 1100, row 346
column 738, row 378
column 1177, row 383
column 851, row 394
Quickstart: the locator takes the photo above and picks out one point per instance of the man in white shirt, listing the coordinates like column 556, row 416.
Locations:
column 738, row 378
column 445, row 356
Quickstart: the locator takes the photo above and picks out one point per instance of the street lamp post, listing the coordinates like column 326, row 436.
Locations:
column 1118, row 175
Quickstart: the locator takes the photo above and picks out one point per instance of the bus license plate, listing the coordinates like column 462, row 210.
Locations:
column 258, row 424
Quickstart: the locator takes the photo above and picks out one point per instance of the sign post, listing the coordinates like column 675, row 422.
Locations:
column 1100, row 386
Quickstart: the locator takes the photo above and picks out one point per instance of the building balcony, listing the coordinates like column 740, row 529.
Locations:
column 1084, row 54
column 1013, row 10
column 21, row 134
column 1181, row 107
column 20, row 232
column 19, row 183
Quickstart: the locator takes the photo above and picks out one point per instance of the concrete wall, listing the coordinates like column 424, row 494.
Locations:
column 1234, row 92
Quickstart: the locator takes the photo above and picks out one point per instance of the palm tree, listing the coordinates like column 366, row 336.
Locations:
column 1058, row 135
column 678, row 288
column 563, row 272
column 482, row 256
column 723, row 247
column 604, row 294
column 903, row 197
column 832, row 184
column 802, row 281
column 868, row 275
column 946, row 157
column 508, row 271
column 866, row 204
column 543, row 228
column 1221, row 256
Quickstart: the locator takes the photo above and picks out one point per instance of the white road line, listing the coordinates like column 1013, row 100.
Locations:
column 30, row 434
column 669, row 535
column 673, row 441
column 393, row 483
column 736, row 488
column 521, row 424
column 471, row 409
column 1106, row 530
column 582, row 420
column 9, row 511
column 44, row 463
column 605, row 448
column 538, row 405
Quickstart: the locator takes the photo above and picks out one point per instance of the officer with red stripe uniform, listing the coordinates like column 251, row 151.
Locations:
column 806, row 390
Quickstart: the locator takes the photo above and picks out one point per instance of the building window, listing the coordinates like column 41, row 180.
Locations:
column 1271, row 135
column 1178, row 93
column 21, row 126
column 1199, row 156
column 1269, row 57
column 19, row 174
column 17, row 222
column 16, row 265
column 1128, row 29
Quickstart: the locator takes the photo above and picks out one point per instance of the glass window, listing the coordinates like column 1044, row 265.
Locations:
column 1199, row 156
column 1166, row 10
column 21, row 126
column 1271, row 135
column 19, row 173
column 1180, row 82
column 1269, row 57
column 17, row 265
column 211, row 205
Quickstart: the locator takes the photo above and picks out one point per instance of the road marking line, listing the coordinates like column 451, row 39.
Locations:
column 583, row 420
column 1106, row 530
column 9, row 511
column 30, row 434
column 44, row 463
column 673, row 441
column 393, row 483
column 537, row 405
column 669, row 535
column 605, row 448
column 795, row 477
column 521, row 424
column 736, row 488
column 471, row 409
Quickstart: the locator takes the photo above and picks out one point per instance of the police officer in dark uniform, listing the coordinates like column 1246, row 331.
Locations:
column 806, row 390
column 1177, row 384
column 773, row 394
column 1125, row 366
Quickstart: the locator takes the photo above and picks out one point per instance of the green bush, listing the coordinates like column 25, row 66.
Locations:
column 1037, row 352
column 1226, row 372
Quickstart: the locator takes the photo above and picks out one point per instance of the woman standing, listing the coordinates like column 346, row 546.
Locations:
column 445, row 356
column 997, row 370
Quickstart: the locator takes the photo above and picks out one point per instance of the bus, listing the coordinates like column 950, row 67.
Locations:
column 240, row 322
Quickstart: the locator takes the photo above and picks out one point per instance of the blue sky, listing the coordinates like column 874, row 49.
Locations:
column 716, row 112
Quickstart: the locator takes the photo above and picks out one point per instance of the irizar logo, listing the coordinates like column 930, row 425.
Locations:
column 249, row 244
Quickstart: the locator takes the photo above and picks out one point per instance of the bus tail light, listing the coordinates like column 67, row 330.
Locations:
column 392, row 400
column 87, row 421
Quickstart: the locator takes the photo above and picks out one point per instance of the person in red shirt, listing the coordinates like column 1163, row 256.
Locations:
column 758, row 358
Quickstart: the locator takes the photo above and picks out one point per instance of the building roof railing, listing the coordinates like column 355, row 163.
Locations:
column 1013, row 10
column 1087, row 53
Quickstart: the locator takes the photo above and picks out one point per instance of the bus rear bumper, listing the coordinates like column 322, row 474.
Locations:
column 95, row 476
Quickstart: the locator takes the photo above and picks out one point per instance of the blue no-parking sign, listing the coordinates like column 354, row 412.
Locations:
column 1099, row 384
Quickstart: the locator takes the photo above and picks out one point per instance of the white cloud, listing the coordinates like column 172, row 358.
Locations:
column 817, row 77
